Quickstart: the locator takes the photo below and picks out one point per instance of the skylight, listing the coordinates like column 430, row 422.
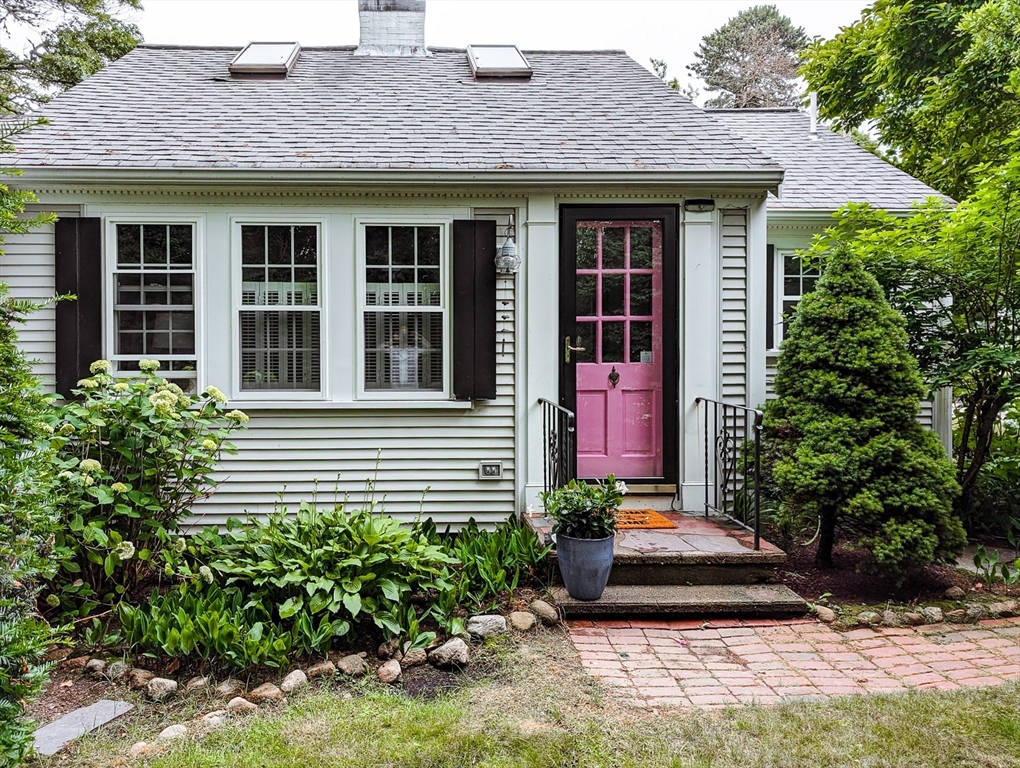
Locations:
column 273, row 59
column 497, row 61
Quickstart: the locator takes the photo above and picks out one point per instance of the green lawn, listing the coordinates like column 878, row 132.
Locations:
column 543, row 711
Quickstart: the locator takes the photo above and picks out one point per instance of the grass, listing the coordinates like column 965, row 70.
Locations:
column 541, row 710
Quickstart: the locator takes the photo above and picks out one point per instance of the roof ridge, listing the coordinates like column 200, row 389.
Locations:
column 752, row 109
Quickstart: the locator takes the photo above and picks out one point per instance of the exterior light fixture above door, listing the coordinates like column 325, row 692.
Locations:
column 507, row 260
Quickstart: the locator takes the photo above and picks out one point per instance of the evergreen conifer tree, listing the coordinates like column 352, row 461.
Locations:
column 843, row 442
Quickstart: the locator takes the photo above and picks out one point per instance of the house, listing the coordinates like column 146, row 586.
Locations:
column 314, row 231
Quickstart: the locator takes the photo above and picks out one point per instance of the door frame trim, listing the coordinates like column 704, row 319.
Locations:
column 669, row 215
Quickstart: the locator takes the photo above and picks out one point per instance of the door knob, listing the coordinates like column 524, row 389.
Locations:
column 614, row 377
column 567, row 349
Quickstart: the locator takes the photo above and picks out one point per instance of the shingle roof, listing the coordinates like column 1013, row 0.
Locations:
column 823, row 172
column 178, row 108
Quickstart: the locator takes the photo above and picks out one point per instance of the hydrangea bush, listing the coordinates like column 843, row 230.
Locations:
column 132, row 456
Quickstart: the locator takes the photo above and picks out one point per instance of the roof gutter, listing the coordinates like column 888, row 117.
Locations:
column 33, row 176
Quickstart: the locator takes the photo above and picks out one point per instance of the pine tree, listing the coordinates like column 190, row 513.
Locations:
column 751, row 60
column 845, row 447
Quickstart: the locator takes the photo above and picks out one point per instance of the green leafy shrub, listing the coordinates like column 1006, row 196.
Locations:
column 585, row 510
column 133, row 455
column 27, row 518
column 845, row 447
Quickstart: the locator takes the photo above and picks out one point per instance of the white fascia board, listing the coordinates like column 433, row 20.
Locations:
column 768, row 179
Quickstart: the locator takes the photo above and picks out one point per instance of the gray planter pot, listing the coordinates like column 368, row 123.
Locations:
column 584, row 565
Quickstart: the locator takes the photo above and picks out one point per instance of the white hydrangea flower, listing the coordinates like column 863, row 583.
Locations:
column 67, row 428
column 119, row 488
column 206, row 573
column 216, row 394
column 89, row 480
column 88, row 383
column 122, row 386
column 148, row 366
column 209, row 445
column 239, row 416
column 124, row 551
column 180, row 545
column 66, row 473
column 101, row 366
column 46, row 429
column 90, row 465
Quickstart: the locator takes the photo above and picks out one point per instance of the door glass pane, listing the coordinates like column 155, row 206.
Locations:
column 612, row 294
column 640, row 247
column 585, row 247
column 641, row 342
column 586, row 287
column 585, row 338
column 612, row 342
column 641, row 295
column 612, row 247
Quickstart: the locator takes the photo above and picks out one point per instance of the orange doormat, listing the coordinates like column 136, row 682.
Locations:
column 641, row 518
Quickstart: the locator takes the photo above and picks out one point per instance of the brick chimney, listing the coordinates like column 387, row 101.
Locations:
column 392, row 28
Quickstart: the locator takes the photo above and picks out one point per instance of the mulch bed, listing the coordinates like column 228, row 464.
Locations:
column 845, row 585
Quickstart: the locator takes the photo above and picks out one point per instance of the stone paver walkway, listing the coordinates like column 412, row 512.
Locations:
column 727, row 662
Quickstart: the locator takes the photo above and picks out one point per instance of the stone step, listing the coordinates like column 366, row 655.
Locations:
column 756, row 600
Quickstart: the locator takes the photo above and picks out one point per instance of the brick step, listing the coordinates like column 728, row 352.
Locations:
column 703, row 601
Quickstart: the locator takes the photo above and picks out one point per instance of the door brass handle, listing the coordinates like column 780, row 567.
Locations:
column 567, row 349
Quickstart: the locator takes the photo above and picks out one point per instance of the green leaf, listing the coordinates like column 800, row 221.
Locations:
column 352, row 602
column 290, row 607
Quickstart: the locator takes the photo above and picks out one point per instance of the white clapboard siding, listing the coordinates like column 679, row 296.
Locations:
column 734, row 306
column 27, row 266
column 286, row 456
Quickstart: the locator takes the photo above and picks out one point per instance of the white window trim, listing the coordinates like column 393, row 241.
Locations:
column 197, row 221
column 271, row 218
column 779, row 296
column 445, row 223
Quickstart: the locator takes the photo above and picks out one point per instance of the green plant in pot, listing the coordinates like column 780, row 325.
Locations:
column 585, row 525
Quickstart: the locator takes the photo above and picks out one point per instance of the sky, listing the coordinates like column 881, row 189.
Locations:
column 664, row 29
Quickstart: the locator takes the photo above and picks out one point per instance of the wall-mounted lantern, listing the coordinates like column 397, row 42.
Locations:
column 507, row 260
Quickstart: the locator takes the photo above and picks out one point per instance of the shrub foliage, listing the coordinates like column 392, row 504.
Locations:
column 845, row 447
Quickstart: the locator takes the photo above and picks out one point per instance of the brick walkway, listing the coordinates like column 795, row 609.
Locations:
column 684, row 663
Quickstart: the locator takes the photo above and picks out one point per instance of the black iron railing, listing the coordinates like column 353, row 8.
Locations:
column 558, row 436
column 732, row 435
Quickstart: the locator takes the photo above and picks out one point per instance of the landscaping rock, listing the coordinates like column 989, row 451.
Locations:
column 825, row 614
column 869, row 618
column 140, row 749
column 95, row 667
column 891, row 619
column 390, row 649
column 913, row 619
column 196, row 684
column 240, row 706
column 322, row 669
column 545, row 612
column 932, row 614
column 481, row 627
column 522, row 621
column 352, row 665
column 293, row 681
column 173, row 732
column 117, row 669
column 265, row 692
column 959, row 616
column 389, row 671
column 214, row 719
column 414, row 657
column 1007, row 608
column 160, row 688
column 229, row 688
column 451, row 653
column 78, row 662
column 138, row 678
column 976, row 612
column 955, row 593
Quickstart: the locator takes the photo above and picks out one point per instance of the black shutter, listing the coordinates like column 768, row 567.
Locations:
column 79, row 271
column 474, row 310
column 770, row 297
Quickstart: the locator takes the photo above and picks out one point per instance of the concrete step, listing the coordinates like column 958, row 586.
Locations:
column 756, row 600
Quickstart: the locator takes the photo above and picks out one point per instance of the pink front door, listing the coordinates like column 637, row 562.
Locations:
column 619, row 325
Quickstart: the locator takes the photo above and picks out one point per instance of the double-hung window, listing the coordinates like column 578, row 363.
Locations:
column 403, row 309
column 154, row 299
column 794, row 281
column 280, row 313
